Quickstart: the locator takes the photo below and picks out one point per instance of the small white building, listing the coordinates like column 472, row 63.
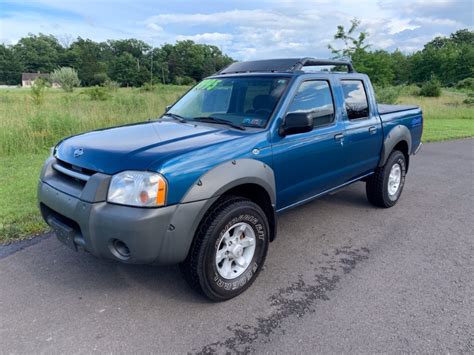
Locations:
column 27, row 79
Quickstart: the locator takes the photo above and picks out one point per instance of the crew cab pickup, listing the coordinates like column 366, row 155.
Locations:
column 203, row 185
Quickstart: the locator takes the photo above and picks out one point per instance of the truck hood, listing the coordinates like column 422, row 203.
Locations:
column 139, row 146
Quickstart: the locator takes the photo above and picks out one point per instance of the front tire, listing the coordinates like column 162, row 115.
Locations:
column 385, row 186
column 229, row 250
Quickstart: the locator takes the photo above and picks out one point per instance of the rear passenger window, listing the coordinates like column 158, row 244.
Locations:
column 355, row 99
column 314, row 97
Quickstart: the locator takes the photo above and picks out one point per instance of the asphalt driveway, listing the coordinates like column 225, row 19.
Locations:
column 342, row 276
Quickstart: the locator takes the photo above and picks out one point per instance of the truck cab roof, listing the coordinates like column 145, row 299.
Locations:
column 286, row 66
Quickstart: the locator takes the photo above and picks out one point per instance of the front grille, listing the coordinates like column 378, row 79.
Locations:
column 75, row 168
column 72, row 173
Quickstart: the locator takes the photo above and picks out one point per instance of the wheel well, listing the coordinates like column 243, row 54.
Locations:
column 402, row 146
column 260, row 196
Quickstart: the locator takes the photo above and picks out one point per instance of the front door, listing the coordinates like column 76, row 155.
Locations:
column 307, row 164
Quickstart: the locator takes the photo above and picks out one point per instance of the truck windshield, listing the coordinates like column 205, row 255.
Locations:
column 243, row 101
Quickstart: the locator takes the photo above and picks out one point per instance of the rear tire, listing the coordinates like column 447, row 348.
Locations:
column 229, row 249
column 385, row 186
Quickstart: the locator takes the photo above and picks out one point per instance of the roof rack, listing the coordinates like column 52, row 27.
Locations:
column 290, row 65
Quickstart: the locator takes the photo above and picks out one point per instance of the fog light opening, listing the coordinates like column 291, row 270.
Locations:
column 120, row 249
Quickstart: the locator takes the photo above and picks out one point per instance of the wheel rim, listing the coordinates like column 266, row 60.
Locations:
column 235, row 250
column 394, row 179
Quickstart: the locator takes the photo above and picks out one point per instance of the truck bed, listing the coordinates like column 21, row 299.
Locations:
column 386, row 109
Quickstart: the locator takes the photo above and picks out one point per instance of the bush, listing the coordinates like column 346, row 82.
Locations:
column 38, row 91
column 467, row 83
column 66, row 77
column 111, row 85
column 431, row 88
column 184, row 80
column 100, row 78
column 388, row 94
column 147, row 87
column 410, row 90
column 470, row 99
column 97, row 93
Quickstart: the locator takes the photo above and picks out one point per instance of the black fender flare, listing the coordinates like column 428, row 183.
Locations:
column 231, row 174
column 396, row 135
column 210, row 186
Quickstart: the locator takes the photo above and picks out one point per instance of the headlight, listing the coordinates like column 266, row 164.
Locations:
column 138, row 188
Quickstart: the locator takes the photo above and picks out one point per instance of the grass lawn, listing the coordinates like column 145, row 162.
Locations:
column 19, row 214
column 446, row 117
column 27, row 131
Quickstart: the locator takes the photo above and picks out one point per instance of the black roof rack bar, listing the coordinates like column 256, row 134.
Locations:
column 282, row 65
column 309, row 62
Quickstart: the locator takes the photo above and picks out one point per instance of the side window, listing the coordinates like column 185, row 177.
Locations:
column 314, row 97
column 355, row 99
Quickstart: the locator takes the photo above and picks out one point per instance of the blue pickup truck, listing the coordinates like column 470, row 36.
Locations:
column 202, row 186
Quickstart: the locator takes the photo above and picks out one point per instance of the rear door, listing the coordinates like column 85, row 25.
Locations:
column 364, row 135
column 309, row 163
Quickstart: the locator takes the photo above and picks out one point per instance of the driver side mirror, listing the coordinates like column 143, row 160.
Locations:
column 296, row 122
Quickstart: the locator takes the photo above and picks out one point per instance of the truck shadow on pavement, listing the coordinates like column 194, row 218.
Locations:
column 81, row 272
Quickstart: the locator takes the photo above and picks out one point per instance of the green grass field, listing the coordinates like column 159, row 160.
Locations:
column 28, row 131
column 446, row 117
column 28, row 128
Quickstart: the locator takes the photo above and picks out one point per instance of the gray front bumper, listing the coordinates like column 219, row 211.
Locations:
column 152, row 235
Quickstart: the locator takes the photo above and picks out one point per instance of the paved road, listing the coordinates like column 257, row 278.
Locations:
column 341, row 277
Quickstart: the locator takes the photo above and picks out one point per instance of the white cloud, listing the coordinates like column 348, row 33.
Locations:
column 244, row 30
column 154, row 27
column 211, row 38
column 398, row 25
column 437, row 21
column 261, row 18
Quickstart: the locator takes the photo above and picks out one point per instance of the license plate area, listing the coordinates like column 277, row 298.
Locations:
column 63, row 232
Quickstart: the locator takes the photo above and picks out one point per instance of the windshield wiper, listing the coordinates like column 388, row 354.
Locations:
column 211, row 119
column 176, row 117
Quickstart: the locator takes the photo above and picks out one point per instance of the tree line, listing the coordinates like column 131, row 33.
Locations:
column 448, row 60
column 132, row 62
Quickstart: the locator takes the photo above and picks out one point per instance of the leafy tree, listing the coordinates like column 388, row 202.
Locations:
column 66, row 77
column 135, row 47
column 126, row 69
column 352, row 42
column 38, row 91
column 463, row 37
column 449, row 59
column 89, row 59
column 378, row 64
column 39, row 53
column 400, row 67
column 10, row 67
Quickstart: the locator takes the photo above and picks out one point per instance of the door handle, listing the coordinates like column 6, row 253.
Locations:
column 372, row 130
column 338, row 136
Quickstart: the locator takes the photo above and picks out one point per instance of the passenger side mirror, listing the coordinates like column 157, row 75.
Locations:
column 167, row 108
column 296, row 122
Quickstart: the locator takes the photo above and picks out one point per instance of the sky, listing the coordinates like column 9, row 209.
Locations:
column 243, row 29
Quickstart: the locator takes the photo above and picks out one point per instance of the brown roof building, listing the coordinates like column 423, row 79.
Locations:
column 27, row 79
